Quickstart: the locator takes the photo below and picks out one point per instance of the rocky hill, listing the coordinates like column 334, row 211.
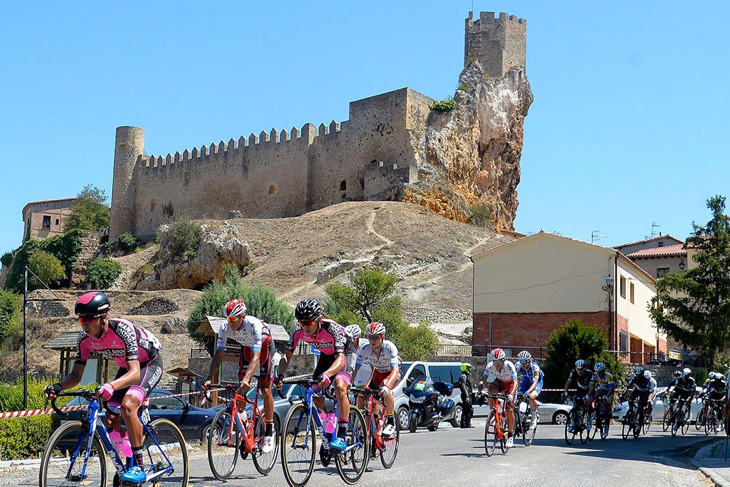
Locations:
column 297, row 258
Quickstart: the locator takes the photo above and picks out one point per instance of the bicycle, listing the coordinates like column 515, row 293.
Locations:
column 299, row 444
column 495, row 429
column 702, row 415
column 681, row 417
column 648, row 417
column 76, row 453
column 385, row 448
column 601, row 420
column 245, row 434
column 670, row 411
column 630, row 422
column 576, row 418
column 523, row 420
column 714, row 416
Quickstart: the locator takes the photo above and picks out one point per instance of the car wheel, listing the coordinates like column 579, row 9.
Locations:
column 560, row 417
column 456, row 418
column 404, row 416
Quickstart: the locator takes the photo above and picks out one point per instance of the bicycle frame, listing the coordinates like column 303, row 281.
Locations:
column 247, row 429
column 375, row 429
column 499, row 407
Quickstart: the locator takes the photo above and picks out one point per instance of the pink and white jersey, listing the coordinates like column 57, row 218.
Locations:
column 251, row 334
column 331, row 338
column 387, row 360
column 123, row 341
column 508, row 373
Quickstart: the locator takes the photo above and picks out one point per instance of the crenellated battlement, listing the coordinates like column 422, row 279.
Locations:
column 498, row 43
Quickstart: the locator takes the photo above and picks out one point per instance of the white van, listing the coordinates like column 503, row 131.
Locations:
column 448, row 372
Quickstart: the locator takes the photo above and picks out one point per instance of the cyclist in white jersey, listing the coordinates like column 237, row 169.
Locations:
column 505, row 381
column 382, row 356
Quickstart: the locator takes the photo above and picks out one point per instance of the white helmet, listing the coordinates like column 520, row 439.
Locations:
column 354, row 331
column 712, row 375
column 524, row 355
column 686, row 372
column 647, row 374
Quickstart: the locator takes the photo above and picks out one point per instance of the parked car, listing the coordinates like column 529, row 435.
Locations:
column 549, row 412
column 619, row 411
column 193, row 421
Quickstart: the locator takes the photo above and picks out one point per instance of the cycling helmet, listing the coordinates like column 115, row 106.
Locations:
column 94, row 303
column 719, row 376
column 466, row 367
column 639, row 370
column 599, row 367
column 677, row 373
column 354, row 331
column 498, row 354
column 375, row 328
column 524, row 355
column 712, row 375
column 647, row 374
column 308, row 310
column 686, row 372
column 580, row 364
column 234, row 308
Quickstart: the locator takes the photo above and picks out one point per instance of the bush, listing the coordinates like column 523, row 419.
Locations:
column 46, row 270
column 102, row 273
column 127, row 243
column 89, row 211
column 10, row 309
column 183, row 238
column 7, row 259
column 481, row 214
column 444, row 105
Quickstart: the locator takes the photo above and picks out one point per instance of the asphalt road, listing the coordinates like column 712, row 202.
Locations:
column 456, row 457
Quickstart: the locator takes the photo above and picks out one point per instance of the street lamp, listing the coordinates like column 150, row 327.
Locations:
column 681, row 264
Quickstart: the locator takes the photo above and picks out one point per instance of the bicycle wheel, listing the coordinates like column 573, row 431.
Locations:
column 264, row 462
column 503, row 440
column 628, row 426
column 390, row 448
column 675, row 422
column 490, row 433
column 167, row 454
column 61, row 466
column 592, row 432
column 298, row 446
column 352, row 462
column 647, row 424
column 569, row 435
column 667, row 419
column 685, row 422
column 223, row 445
column 710, row 426
column 701, row 418
column 529, row 433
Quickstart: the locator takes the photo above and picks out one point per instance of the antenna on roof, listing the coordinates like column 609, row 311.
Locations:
column 653, row 226
column 595, row 236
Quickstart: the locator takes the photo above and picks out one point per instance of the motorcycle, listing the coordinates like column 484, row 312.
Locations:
column 429, row 402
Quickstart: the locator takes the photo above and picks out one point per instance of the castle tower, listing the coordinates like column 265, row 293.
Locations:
column 129, row 145
column 498, row 43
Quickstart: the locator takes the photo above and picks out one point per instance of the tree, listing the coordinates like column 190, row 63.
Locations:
column 47, row 268
column 693, row 306
column 371, row 298
column 572, row 341
column 10, row 304
column 89, row 211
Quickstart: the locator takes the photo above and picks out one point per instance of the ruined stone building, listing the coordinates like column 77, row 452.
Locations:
column 392, row 147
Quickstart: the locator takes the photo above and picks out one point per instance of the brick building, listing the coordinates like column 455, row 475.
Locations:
column 45, row 219
column 526, row 289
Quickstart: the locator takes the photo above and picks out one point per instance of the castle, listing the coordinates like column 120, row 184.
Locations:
column 370, row 156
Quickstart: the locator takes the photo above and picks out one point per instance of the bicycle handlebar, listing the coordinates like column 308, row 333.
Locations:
column 86, row 394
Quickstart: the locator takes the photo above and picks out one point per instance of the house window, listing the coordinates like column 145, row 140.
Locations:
column 46, row 221
column 623, row 287
column 343, row 185
column 661, row 272
column 272, row 189
column 623, row 341
column 631, row 292
column 661, row 244
column 57, row 221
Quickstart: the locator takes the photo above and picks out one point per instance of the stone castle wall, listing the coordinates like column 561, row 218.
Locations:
column 499, row 43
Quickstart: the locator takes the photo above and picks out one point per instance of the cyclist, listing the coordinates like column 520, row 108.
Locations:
column 137, row 353
column 580, row 375
column 715, row 388
column 640, row 387
column 531, row 385
column 505, row 380
column 601, row 389
column 684, row 389
column 335, row 358
column 257, row 358
column 652, row 393
column 466, row 387
column 382, row 356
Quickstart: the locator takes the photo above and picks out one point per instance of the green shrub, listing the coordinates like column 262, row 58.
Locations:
column 182, row 238
column 102, row 273
column 89, row 211
column 7, row 259
column 444, row 105
column 10, row 309
column 481, row 214
column 127, row 243
column 47, row 268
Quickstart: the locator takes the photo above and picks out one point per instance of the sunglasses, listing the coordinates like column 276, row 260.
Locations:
column 501, row 360
column 523, row 361
column 307, row 324
column 87, row 319
column 234, row 319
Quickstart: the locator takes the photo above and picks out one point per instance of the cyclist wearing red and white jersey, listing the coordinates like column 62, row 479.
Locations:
column 505, row 381
column 135, row 350
column 257, row 355
column 334, row 364
column 382, row 356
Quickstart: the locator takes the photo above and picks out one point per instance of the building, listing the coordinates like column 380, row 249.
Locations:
column 658, row 255
column 526, row 289
column 45, row 219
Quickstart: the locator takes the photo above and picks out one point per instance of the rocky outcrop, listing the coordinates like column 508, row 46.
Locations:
column 473, row 152
column 218, row 244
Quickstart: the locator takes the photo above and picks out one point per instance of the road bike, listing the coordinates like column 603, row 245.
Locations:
column 233, row 432
column 76, row 453
column 601, row 419
column 523, row 419
column 495, row 429
column 670, row 412
column 681, row 417
column 631, row 426
column 384, row 447
column 576, row 419
column 299, row 440
column 714, row 420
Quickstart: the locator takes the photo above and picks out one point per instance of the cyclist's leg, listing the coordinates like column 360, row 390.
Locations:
column 266, row 377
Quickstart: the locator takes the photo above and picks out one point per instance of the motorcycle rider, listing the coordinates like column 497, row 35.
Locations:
column 465, row 387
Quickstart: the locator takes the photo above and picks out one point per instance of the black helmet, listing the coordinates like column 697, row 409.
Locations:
column 94, row 303
column 677, row 373
column 308, row 310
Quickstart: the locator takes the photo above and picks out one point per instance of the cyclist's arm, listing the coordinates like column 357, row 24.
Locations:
column 74, row 377
column 129, row 378
column 284, row 362
column 515, row 385
column 253, row 366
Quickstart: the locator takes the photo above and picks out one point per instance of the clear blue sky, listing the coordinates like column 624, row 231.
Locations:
column 629, row 125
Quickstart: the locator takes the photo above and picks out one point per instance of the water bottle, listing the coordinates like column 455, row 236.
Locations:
column 329, row 420
column 523, row 407
column 121, row 444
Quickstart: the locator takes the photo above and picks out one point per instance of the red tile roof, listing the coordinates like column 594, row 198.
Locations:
column 666, row 251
